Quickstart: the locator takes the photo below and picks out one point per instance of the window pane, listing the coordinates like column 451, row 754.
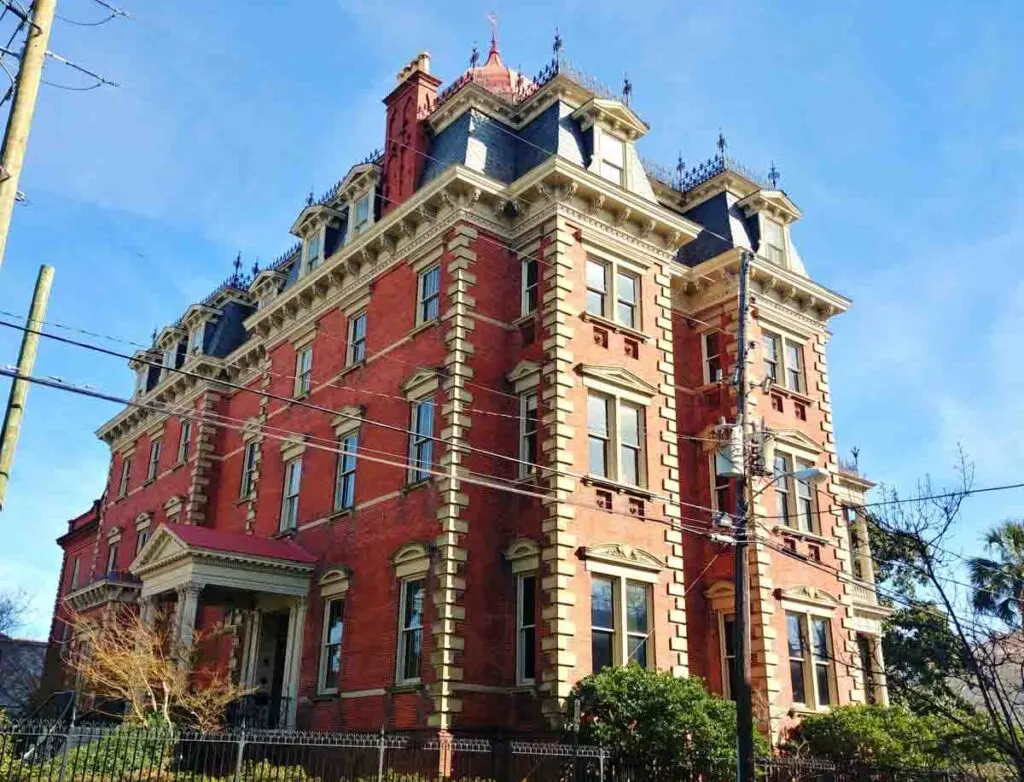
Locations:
column 772, row 232
column 794, row 636
column 819, row 631
column 334, row 621
column 599, row 457
column 729, row 637
column 597, row 276
column 602, row 603
column 612, row 149
column 629, row 425
column 601, row 650
column 595, row 303
column 414, row 594
column 824, row 694
column 597, row 415
column 412, row 652
column 796, row 678
column 630, row 466
column 636, row 607
column 626, row 287
column 529, row 653
column 637, row 650
column 528, row 609
column 626, row 314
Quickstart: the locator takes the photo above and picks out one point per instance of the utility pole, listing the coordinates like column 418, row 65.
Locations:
column 741, row 624
column 26, row 90
column 19, row 386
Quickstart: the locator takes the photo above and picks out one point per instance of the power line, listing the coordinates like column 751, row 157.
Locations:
column 464, row 448
column 404, row 463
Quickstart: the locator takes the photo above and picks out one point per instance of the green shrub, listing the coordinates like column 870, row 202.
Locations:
column 650, row 719
column 890, row 736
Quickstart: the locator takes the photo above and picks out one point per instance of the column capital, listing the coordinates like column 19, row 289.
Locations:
column 191, row 589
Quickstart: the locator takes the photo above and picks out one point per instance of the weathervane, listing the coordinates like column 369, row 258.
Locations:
column 627, row 89
column 493, row 19
column 773, row 176
column 721, row 143
column 556, row 47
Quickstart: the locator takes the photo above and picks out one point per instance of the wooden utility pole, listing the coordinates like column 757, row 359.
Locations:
column 26, row 90
column 744, row 698
column 19, row 386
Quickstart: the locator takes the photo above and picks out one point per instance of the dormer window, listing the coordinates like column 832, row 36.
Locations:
column 773, row 241
column 363, row 213
column 195, row 339
column 613, row 159
column 141, row 376
column 314, row 250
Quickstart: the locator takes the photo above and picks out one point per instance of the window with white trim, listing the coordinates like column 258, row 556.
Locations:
column 857, row 539
column 421, row 440
column 74, row 574
column 195, row 338
column 528, row 433
column 428, row 296
column 330, row 646
column 184, row 441
column 615, row 431
column 303, row 371
column 784, row 361
column 314, row 249
column 290, row 494
column 811, row 667
column 112, row 556
column 410, row 630
column 613, row 159
column 249, row 462
column 773, row 240
column 526, row 628
column 795, row 504
column 530, row 285
column 711, row 350
column 126, row 474
column 869, row 669
column 613, row 293
column 141, row 538
column 618, row 603
column 154, row 458
column 356, row 339
column 345, row 479
column 363, row 213
column 727, row 641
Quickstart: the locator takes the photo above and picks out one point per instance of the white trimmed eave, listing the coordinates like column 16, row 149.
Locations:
column 472, row 96
column 772, row 202
column 196, row 314
column 728, row 181
column 612, row 114
column 794, row 287
column 105, row 590
column 457, row 188
column 313, row 216
column 572, row 184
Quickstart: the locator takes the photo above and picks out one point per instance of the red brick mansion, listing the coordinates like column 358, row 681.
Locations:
column 461, row 445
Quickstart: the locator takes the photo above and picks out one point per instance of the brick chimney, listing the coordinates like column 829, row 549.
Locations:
column 406, row 135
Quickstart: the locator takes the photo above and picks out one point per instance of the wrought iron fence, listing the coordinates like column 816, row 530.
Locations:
column 59, row 752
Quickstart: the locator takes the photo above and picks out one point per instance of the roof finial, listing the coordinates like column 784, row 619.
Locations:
column 309, row 198
column 773, row 176
column 237, row 265
column 721, row 143
column 256, row 268
column 680, row 170
column 493, row 19
column 154, row 336
column 627, row 89
column 474, row 58
column 556, row 47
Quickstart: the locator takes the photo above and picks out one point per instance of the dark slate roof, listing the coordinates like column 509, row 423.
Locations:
column 725, row 226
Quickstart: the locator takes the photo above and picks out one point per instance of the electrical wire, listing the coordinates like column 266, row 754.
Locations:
column 403, row 463
column 463, row 448
column 86, row 24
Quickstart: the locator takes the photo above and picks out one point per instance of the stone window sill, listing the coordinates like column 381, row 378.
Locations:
column 622, row 488
column 352, row 367
column 409, row 686
column 341, row 514
column 421, row 327
column 792, row 532
column 777, row 388
column 416, row 485
column 615, row 326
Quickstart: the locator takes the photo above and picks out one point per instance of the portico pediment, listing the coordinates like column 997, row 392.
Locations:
column 621, row 554
column 617, row 378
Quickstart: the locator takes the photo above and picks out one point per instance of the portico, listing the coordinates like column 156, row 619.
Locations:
column 261, row 583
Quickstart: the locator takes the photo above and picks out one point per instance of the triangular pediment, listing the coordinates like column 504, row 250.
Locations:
column 163, row 545
column 622, row 554
column 523, row 370
column 422, row 381
column 774, row 202
column 618, row 376
column 808, row 595
column 798, row 440
column 612, row 112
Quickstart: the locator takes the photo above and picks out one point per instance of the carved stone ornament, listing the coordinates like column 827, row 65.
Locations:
column 622, row 554
column 568, row 191
column 449, row 200
column 623, row 216
column 647, row 229
column 596, row 205
column 543, row 191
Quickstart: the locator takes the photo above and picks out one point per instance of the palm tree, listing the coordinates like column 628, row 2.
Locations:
column 999, row 582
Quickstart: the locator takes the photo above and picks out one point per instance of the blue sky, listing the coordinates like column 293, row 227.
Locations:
column 898, row 128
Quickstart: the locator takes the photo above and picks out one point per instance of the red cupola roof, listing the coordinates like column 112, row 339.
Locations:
column 494, row 76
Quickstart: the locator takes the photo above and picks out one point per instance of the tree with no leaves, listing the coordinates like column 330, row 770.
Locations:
column 121, row 657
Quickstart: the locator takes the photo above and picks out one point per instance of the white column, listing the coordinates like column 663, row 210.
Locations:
column 188, row 605
column 293, row 657
column 251, row 652
column 147, row 610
